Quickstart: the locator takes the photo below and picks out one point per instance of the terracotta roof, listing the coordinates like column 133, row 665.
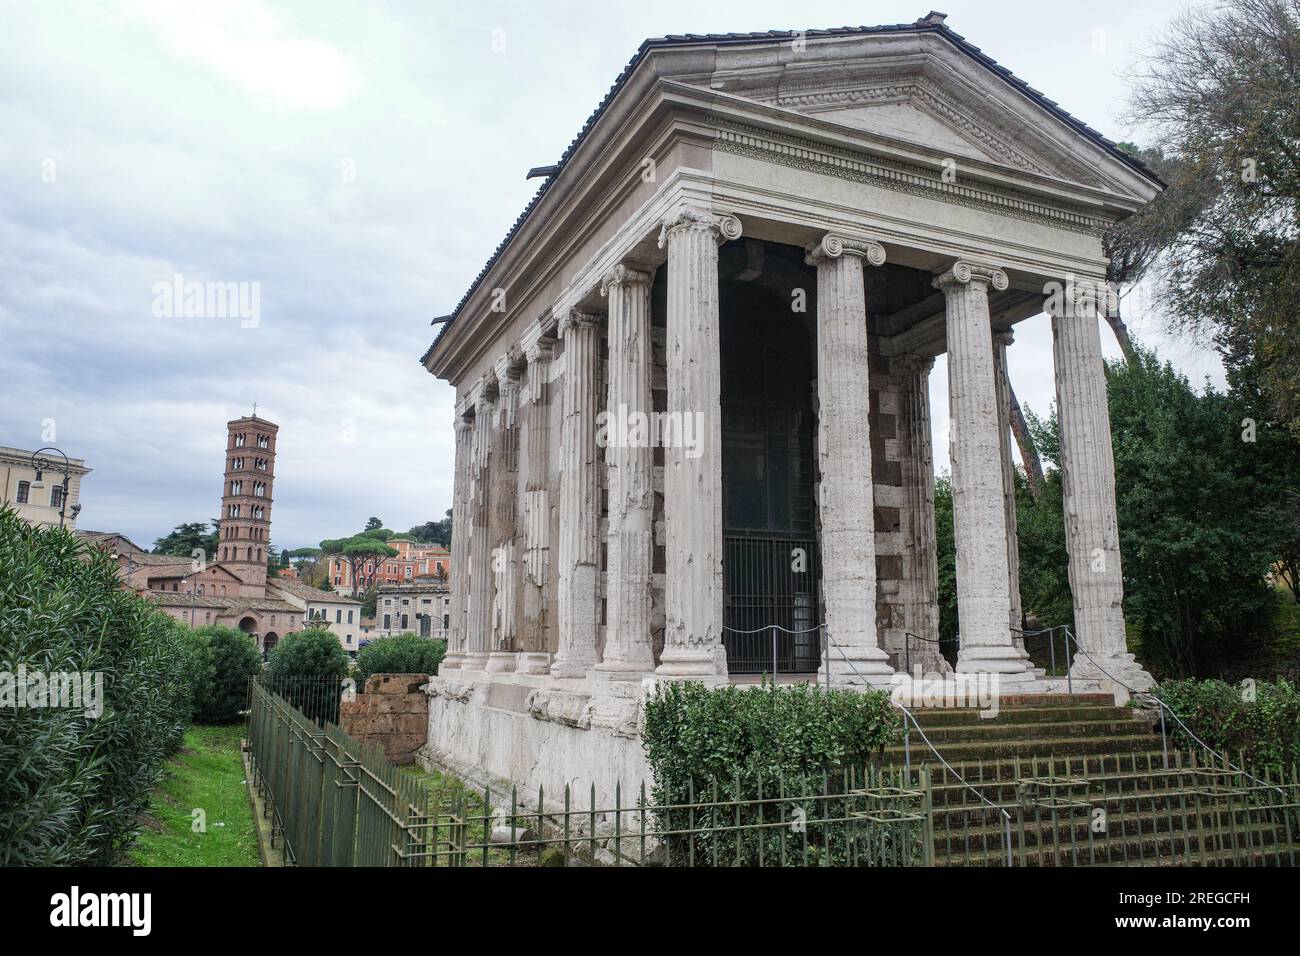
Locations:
column 183, row 600
column 923, row 25
column 307, row 592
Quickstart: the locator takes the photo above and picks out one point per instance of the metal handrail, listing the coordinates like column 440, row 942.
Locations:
column 1147, row 695
column 907, row 645
column 907, row 760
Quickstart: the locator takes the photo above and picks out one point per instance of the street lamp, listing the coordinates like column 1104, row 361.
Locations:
column 41, row 464
column 130, row 566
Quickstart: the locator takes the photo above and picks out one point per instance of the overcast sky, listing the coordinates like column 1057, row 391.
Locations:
column 359, row 162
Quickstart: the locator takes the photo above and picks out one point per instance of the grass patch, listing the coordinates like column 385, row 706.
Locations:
column 207, row 775
column 451, row 796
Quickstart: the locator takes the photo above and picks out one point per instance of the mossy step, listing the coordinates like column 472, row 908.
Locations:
column 1136, row 796
column 1054, row 730
column 1045, row 747
column 965, row 716
column 1263, row 830
column 1012, row 701
column 1159, row 850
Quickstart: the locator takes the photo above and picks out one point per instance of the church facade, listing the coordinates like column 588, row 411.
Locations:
column 693, row 390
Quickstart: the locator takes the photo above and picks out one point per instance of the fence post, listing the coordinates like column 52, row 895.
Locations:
column 775, row 663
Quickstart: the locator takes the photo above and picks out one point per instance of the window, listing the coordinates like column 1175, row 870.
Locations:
column 349, row 615
column 24, row 491
column 446, row 621
column 263, row 441
column 388, row 622
column 56, row 496
column 337, row 579
column 349, row 638
column 338, row 616
column 404, row 620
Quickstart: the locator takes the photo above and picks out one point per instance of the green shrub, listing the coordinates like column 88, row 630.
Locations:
column 307, row 668
column 72, row 785
column 400, row 654
column 229, row 659
column 731, row 743
column 1264, row 731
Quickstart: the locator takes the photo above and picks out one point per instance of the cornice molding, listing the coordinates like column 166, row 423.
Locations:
column 860, row 166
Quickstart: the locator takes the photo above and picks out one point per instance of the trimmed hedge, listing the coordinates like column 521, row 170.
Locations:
column 227, row 660
column 307, row 668
column 1264, row 731
column 734, row 742
column 399, row 654
column 72, row 785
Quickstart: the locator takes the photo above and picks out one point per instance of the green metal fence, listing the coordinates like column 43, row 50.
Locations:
column 334, row 803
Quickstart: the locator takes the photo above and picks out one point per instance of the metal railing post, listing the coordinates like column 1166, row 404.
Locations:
column 775, row 664
column 1164, row 739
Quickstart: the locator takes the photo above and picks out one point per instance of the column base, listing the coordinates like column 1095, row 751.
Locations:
column 500, row 662
column 857, row 667
column 625, row 670
column 474, row 661
column 706, row 663
column 1120, row 673
column 569, row 668
column 533, row 662
column 1009, row 662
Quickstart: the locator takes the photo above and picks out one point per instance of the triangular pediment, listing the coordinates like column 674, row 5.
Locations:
column 926, row 98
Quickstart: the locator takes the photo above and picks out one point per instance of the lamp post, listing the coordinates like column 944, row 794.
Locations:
column 130, row 566
column 41, row 464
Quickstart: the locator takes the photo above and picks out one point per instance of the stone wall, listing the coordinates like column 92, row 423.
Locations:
column 392, row 714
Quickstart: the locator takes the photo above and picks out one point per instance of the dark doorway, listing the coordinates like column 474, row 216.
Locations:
column 770, row 567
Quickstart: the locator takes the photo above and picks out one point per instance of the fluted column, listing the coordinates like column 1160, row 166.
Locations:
column 628, row 652
column 1000, row 342
column 504, row 517
column 693, row 648
column 479, row 620
column 533, row 657
column 979, row 513
column 1088, row 480
column 922, row 610
column 845, row 500
column 579, row 497
column 460, row 538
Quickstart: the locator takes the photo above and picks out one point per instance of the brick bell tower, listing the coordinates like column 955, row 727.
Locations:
column 246, row 499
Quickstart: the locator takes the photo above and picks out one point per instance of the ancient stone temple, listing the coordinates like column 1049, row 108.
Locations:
column 693, row 389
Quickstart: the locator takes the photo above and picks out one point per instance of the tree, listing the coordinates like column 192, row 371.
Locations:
column 399, row 654
column 185, row 538
column 1220, row 92
column 360, row 552
column 373, row 524
column 434, row 532
column 229, row 660
column 307, row 668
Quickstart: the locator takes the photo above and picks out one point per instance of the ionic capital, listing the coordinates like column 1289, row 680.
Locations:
column 1003, row 337
column 909, row 363
column 962, row 273
column 540, row 351
column 832, row 246
column 723, row 227
column 622, row 276
column 578, row 319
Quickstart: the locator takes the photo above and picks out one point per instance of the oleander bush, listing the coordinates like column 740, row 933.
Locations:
column 399, row 654
column 307, row 668
column 707, row 745
column 227, row 659
column 1260, row 720
column 74, row 779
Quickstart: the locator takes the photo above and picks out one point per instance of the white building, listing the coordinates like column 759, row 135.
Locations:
column 340, row 614
column 422, row 608
column 39, row 498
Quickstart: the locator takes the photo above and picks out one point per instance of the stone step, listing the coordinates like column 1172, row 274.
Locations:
column 1135, row 795
column 1026, row 748
column 1097, row 730
column 1261, row 845
column 1015, row 716
column 1011, row 701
